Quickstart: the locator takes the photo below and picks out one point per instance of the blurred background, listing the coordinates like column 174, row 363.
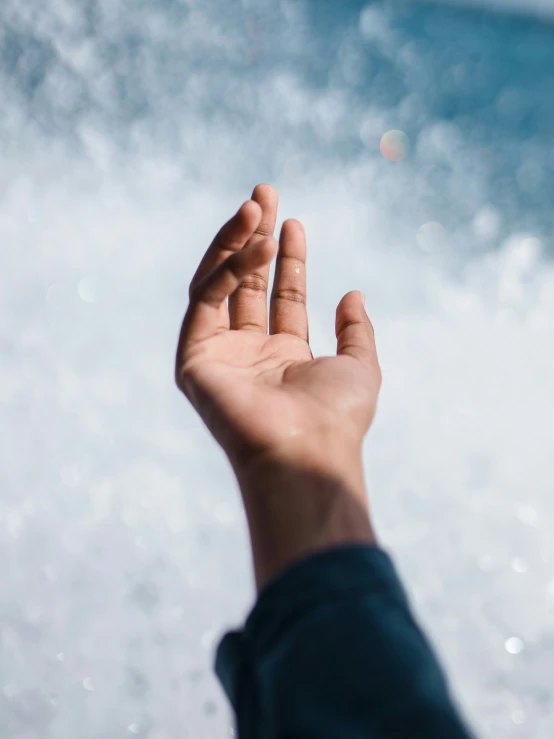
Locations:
column 129, row 132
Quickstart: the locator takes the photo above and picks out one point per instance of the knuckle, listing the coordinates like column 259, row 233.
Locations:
column 349, row 323
column 254, row 282
column 290, row 294
column 263, row 230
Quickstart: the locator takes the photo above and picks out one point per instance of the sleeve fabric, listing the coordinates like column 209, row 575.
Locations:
column 331, row 650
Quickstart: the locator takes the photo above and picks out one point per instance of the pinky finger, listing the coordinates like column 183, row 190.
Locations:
column 203, row 315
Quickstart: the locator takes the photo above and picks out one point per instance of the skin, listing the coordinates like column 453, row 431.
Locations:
column 292, row 425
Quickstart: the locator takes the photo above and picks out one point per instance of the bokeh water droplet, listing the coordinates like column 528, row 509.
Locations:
column 519, row 565
column 527, row 514
column 431, row 237
column 394, row 145
column 86, row 291
column 514, row 645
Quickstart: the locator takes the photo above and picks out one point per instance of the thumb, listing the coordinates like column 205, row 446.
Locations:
column 354, row 330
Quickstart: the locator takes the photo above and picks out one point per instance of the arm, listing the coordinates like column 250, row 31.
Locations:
column 331, row 648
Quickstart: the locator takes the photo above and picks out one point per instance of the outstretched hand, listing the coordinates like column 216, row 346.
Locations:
column 292, row 426
column 263, row 394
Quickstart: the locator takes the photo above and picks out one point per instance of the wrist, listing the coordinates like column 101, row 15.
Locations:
column 304, row 503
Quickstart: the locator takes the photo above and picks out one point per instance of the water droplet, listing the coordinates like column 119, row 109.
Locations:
column 514, row 645
column 54, row 294
column 60, row 656
column 486, row 563
column 487, row 223
column 394, row 145
column 519, row 565
column 431, row 237
column 86, row 291
column 527, row 514
column 518, row 716
column 529, row 252
column 87, row 683
column 133, row 728
column 373, row 23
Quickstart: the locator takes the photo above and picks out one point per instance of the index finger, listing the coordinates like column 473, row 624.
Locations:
column 230, row 238
column 203, row 317
column 207, row 312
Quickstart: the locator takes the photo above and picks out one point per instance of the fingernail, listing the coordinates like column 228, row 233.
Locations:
column 363, row 299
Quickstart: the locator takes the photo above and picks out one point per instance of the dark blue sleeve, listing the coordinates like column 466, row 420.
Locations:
column 331, row 649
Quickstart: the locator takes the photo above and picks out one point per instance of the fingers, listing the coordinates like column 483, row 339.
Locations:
column 203, row 317
column 288, row 298
column 248, row 304
column 354, row 331
column 231, row 237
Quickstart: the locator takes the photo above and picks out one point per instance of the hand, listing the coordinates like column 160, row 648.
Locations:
column 263, row 396
column 261, row 393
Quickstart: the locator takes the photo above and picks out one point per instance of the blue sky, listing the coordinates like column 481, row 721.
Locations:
column 128, row 134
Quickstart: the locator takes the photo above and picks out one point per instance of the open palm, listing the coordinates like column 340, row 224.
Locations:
column 264, row 393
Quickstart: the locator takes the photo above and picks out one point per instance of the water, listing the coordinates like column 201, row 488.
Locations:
column 127, row 136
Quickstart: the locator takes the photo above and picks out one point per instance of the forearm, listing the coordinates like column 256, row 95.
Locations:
column 304, row 502
column 331, row 647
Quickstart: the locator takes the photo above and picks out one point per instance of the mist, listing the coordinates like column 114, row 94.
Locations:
column 128, row 135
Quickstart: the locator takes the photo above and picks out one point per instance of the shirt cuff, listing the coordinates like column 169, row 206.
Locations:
column 301, row 587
